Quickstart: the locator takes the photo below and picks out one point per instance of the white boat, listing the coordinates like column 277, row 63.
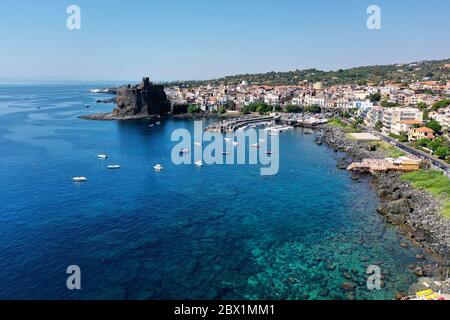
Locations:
column 151, row 125
column 184, row 150
column 235, row 143
column 199, row 163
column 157, row 123
column 227, row 139
column 255, row 145
column 273, row 134
column 198, row 143
column 102, row 156
column 79, row 179
column 158, row 167
column 113, row 166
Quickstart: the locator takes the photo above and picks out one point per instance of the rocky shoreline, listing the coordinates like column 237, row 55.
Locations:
column 109, row 116
column 414, row 212
column 401, row 203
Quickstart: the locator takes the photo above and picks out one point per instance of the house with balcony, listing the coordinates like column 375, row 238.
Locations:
column 421, row 133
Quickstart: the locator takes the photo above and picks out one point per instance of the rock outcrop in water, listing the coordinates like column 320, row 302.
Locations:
column 145, row 100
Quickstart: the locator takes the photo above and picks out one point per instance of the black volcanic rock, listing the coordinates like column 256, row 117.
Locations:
column 145, row 100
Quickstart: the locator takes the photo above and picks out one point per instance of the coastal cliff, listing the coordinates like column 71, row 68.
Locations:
column 145, row 100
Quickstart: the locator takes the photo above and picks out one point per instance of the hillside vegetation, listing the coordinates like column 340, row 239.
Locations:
column 418, row 71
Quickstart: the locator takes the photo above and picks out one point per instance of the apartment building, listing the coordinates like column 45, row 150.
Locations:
column 372, row 115
column 394, row 116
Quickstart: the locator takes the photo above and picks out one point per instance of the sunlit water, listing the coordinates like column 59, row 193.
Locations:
column 216, row 232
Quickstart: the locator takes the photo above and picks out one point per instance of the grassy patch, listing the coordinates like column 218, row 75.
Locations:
column 391, row 151
column 434, row 182
column 336, row 122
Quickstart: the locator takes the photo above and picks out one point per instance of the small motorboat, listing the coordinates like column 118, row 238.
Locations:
column 158, row 123
column 255, row 145
column 269, row 153
column 227, row 139
column 79, row 179
column 151, row 125
column 235, row 143
column 199, row 163
column 225, row 153
column 158, row 167
column 198, row 143
column 102, row 156
column 184, row 150
column 86, row 106
column 113, row 166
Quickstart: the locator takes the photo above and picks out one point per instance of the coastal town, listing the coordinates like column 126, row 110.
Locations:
column 396, row 132
column 414, row 115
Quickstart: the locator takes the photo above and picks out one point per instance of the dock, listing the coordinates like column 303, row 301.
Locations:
column 233, row 125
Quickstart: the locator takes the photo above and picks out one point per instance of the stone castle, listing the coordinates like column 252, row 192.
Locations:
column 144, row 99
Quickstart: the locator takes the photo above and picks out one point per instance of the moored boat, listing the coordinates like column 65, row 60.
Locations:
column 79, row 179
column 199, row 163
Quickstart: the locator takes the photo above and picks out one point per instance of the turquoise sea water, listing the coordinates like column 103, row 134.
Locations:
column 216, row 232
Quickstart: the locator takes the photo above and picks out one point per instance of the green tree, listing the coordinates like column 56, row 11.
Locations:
column 374, row 97
column 313, row 109
column 403, row 137
column 434, row 125
column 192, row 108
column 441, row 104
column 379, row 125
column 422, row 106
column 263, row 108
column 293, row 108
column 387, row 104
column 277, row 108
column 356, row 123
column 442, row 152
column 422, row 142
column 435, row 144
column 230, row 105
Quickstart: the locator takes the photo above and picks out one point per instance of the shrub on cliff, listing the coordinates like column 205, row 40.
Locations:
column 193, row 109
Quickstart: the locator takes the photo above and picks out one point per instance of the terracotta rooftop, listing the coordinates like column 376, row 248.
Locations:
column 411, row 122
column 425, row 129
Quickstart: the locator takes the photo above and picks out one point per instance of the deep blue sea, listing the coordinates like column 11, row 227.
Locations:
column 216, row 232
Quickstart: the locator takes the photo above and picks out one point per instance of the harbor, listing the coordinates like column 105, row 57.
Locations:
column 227, row 126
column 290, row 120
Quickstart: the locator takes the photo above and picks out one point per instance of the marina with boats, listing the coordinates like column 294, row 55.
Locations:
column 276, row 123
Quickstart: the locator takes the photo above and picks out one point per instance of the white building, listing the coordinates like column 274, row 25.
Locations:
column 392, row 117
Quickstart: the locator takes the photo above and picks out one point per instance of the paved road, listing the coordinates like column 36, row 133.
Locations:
column 437, row 162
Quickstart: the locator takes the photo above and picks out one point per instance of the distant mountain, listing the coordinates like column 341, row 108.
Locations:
column 399, row 73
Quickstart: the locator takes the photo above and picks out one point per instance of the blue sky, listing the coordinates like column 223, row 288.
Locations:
column 203, row 39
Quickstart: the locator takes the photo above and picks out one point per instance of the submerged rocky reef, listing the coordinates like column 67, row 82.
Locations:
column 415, row 212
